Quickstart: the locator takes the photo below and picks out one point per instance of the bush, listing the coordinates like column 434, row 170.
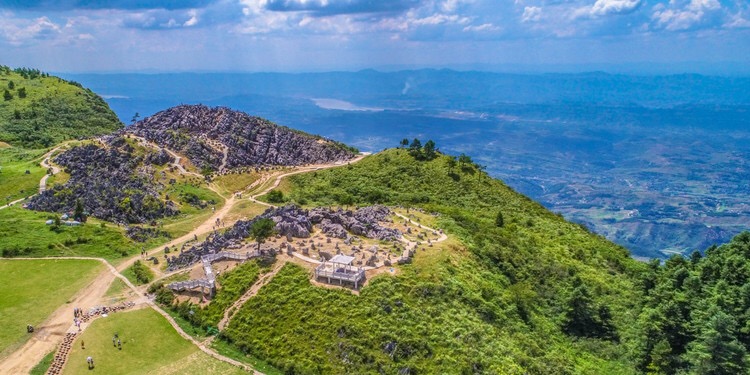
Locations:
column 142, row 273
column 276, row 196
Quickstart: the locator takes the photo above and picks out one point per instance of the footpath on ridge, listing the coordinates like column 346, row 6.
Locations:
column 54, row 330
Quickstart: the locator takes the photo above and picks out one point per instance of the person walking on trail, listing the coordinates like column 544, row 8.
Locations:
column 82, row 346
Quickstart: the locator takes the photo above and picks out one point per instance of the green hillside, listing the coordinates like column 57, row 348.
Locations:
column 38, row 110
column 520, row 291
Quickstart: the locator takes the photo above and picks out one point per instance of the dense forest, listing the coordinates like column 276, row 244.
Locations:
column 38, row 110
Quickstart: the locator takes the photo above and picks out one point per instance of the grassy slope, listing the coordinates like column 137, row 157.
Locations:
column 149, row 345
column 33, row 289
column 24, row 232
column 14, row 182
column 493, row 301
column 43, row 365
column 53, row 110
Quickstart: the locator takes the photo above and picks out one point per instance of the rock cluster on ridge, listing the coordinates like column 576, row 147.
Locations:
column 112, row 183
column 221, row 138
column 293, row 221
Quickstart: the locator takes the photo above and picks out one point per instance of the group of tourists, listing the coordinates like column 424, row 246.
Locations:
column 116, row 341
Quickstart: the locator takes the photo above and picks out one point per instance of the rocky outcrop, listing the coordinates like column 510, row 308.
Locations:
column 111, row 183
column 295, row 222
column 220, row 138
column 362, row 222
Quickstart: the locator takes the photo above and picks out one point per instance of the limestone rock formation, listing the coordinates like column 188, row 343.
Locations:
column 220, row 138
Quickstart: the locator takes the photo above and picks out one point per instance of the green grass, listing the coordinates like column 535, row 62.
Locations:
column 43, row 365
column 139, row 273
column 33, row 289
column 232, row 183
column 116, row 289
column 14, row 182
column 190, row 216
column 24, row 233
column 53, row 110
column 232, row 285
column 227, row 350
column 492, row 299
column 149, row 345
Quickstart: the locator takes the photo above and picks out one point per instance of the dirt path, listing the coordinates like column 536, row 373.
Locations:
column 410, row 245
column 225, row 157
column 254, row 289
column 177, row 158
column 46, row 165
column 51, row 332
column 306, row 169
column 205, row 227
column 43, row 182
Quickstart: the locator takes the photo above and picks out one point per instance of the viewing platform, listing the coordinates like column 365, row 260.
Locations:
column 340, row 268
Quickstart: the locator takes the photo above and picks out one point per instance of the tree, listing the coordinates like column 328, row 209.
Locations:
column 78, row 213
column 499, row 220
column 11, row 85
column 7, row 95
column 404, row 143
column 584, row 319
column 416, row 144
column 464, row 160
column 135, row 118
column 716, row 351
column 451, row 163
column 276, row 196
column 662, row 360
column 22, row 92
column 262, row 229
column 415, row 149
column 428, row 151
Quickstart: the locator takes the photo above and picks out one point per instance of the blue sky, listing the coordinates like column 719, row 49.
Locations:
column 314, row 35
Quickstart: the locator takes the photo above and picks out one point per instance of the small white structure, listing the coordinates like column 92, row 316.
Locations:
column 340, row 268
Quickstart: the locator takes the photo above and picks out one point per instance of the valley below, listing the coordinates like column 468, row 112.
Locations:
column 656, row 169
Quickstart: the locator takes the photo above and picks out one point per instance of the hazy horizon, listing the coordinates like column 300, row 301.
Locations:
column 659, row 36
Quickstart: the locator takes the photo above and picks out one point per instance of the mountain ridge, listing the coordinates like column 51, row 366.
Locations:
column 218, row 139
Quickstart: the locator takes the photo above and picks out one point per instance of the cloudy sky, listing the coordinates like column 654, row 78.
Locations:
column 314, row 35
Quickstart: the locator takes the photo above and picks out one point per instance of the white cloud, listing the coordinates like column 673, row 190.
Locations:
column 193, row 18
column 738, row 22
column 605, row 7
column 531, row 14
column 18, row 31
column 685, row 17
column 485, row 27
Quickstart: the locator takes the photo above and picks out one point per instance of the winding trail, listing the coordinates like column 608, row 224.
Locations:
column 254, row 289
column 305, row 169
column 46, row 165
column 43, row 182
column 225, row 157
column 52, row 331
column 411, row 245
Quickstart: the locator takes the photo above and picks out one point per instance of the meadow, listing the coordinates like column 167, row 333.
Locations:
column 149, row 346
column 15, row 183
column 32, row 289
column 24, row 233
